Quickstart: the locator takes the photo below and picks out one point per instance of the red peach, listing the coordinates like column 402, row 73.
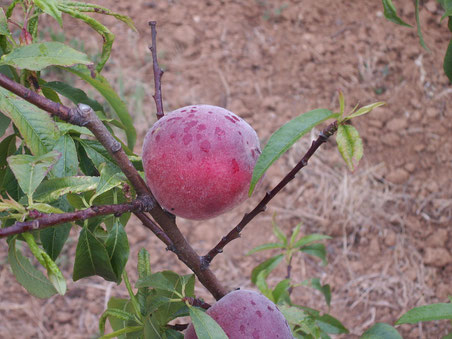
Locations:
column 247, row 314
column 199, row 161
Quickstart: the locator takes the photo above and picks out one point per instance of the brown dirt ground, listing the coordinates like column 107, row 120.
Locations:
column 269, row 61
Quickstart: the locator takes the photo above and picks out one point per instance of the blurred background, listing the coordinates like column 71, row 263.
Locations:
column 269, row 61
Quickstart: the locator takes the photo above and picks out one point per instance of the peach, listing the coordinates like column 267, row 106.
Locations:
column 199, row 161
column 247, row 314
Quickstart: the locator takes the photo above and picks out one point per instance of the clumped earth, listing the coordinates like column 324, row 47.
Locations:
column 268, row 62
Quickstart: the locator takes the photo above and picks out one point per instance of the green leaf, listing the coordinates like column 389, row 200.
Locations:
column 166, row 280
column 364, row 110
column 447, row 65
column 107, row 36
column 92, row 258
column 104, row 88
column 117, row 246
column 292, row 314
column 118, row 324
column 390, row 13
column 54, row 238
column 67, row 165
column 50, row 7
column 447, row 14
column 34, row 281
column 50, row 190
column 280, row 290
column 284, row 138
column 294, row 235
column 205, row 326
column 324, row 289
column 426, row 313
column 114, row 313
column 265, row 247
column 350, row 145
column 278, row 232
column 317, row 250
column 330, row 324
column 266, row 267
column 76, row 95
column 341, row 104
column 418, row 25
column 4, row 30
column 66, row 128
column 381, row 331
column 307, row 239
column 30, row 170
column 84, row 7
column 4, row 123
column 143, row 265
column 110, row 178
column 36, row 126
column 37, row 56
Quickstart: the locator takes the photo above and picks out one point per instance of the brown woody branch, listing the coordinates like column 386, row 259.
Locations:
column 158, row 72
column 85, row 116
column 44, row 220
column 261, row 206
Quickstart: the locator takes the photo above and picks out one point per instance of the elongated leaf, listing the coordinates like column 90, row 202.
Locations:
column 107, row 36
column 317, row 250
column 280, row 290
column 278, row 232
column 50, row 190
column 350, row 145
column 426, row 313
column 85, row 7
column 53, row 239
column 109, row 179
column 390, row 13
column 446, row 14
column 67, row 165
column 292, row 314
column 267, row 266
column 4, row 30
column 205, row 326
column 76, row 95
column 307, row 239
column 418, row 25
column 37, row 56
column 101, row 84
column 50, row 7
column 114, row 313
column 30, row 170
column 117, row 246
column 284, row 138
column 92, row 258
column 98, row 154
column 364, row 110
column 34, row 281
column 265, row 247
column 330, row 324
column 66, row 128
column 4, row 123
column 324, row 289
column 166, row 280
column 143, row 265
column 447, row 65
column 293, row 237
column 381, row 331
column 35, row 125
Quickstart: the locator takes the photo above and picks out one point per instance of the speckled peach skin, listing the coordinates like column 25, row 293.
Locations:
column 199, row 161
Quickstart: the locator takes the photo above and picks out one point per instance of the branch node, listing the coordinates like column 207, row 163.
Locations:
column 116, row 146
column 35, row 224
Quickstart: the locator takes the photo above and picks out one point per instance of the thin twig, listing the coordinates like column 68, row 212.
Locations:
column 261, row 206
column 44, row 220
column 158, row 72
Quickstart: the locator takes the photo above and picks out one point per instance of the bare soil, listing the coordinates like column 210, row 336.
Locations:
column 269, row 61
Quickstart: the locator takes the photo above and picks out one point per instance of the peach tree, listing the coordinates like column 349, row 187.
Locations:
column 65, row 166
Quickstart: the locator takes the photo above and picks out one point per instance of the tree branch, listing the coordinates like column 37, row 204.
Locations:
column 158, row 72
column 261, row 206
column 83, row 115
column 44, row 220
